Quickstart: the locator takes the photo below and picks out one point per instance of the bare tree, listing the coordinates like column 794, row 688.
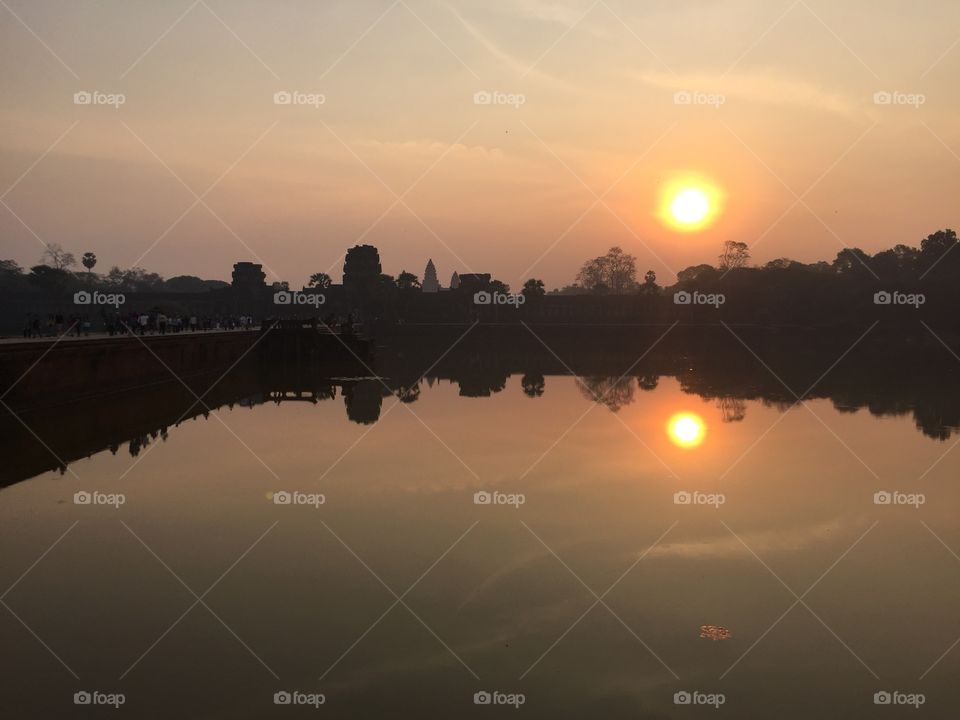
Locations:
column 621, row 270
column 616, row 271
column 56, row 257
column 735, row 255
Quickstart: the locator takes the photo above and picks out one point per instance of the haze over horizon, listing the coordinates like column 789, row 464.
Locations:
column 399, row 154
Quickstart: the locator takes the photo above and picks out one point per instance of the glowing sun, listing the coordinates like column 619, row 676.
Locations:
column 689, row 204
column 686, row 430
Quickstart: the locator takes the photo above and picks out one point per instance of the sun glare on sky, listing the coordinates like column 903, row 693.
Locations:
column 689, row 204
column 686, row 430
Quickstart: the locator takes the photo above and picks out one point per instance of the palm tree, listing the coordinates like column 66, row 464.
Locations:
column 89, row 261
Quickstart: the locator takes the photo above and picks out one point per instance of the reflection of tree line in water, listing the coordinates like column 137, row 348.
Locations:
column 885, row 379
column 936, row 409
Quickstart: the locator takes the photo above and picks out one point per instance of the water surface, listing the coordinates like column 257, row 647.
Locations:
column 400, row 596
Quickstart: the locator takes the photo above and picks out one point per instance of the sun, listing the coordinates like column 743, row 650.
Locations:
column 690, row 203
column 690, row 206
column 686, row 429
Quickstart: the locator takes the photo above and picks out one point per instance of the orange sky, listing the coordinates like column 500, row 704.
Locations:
column 525, row 189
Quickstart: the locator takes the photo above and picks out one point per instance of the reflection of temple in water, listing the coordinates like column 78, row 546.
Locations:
column 611, row 375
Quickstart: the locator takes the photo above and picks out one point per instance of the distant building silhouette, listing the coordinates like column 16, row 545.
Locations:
column 474, row 282
column 248, row 288
column 430, row 283
column 454, row 281
column 361, row 270
column 248, row 276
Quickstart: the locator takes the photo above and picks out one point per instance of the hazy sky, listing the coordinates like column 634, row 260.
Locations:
column 511, row 190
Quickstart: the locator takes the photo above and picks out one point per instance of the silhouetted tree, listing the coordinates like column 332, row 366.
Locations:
column 650, row 286
column 498, row 286
column 49, row 278
column 621, row 270
column 697, row 274
column 89, row 261
column 133, row 279
column 782, row 264
column 938, row 243
column 533, row 288
column 735, row 255
column 533, row 384
column 648, row 382
column 852, row 260
column 56, row 257
column 612, row 392
column 320, row 280
column 616, row 272
column 732, row 409
column 409, row 394
column 363, row 400
column 11, row 274
column 407, row 281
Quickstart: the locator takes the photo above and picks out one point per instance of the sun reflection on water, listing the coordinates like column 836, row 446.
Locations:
column 686, row 429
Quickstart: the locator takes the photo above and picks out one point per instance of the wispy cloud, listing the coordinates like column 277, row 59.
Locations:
column 760, row 87
column 511, row 62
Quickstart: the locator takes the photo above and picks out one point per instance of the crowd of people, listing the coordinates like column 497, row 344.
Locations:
column 153, row 322
column 158, row 323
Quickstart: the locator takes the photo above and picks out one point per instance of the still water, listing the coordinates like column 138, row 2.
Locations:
column 617, row 556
